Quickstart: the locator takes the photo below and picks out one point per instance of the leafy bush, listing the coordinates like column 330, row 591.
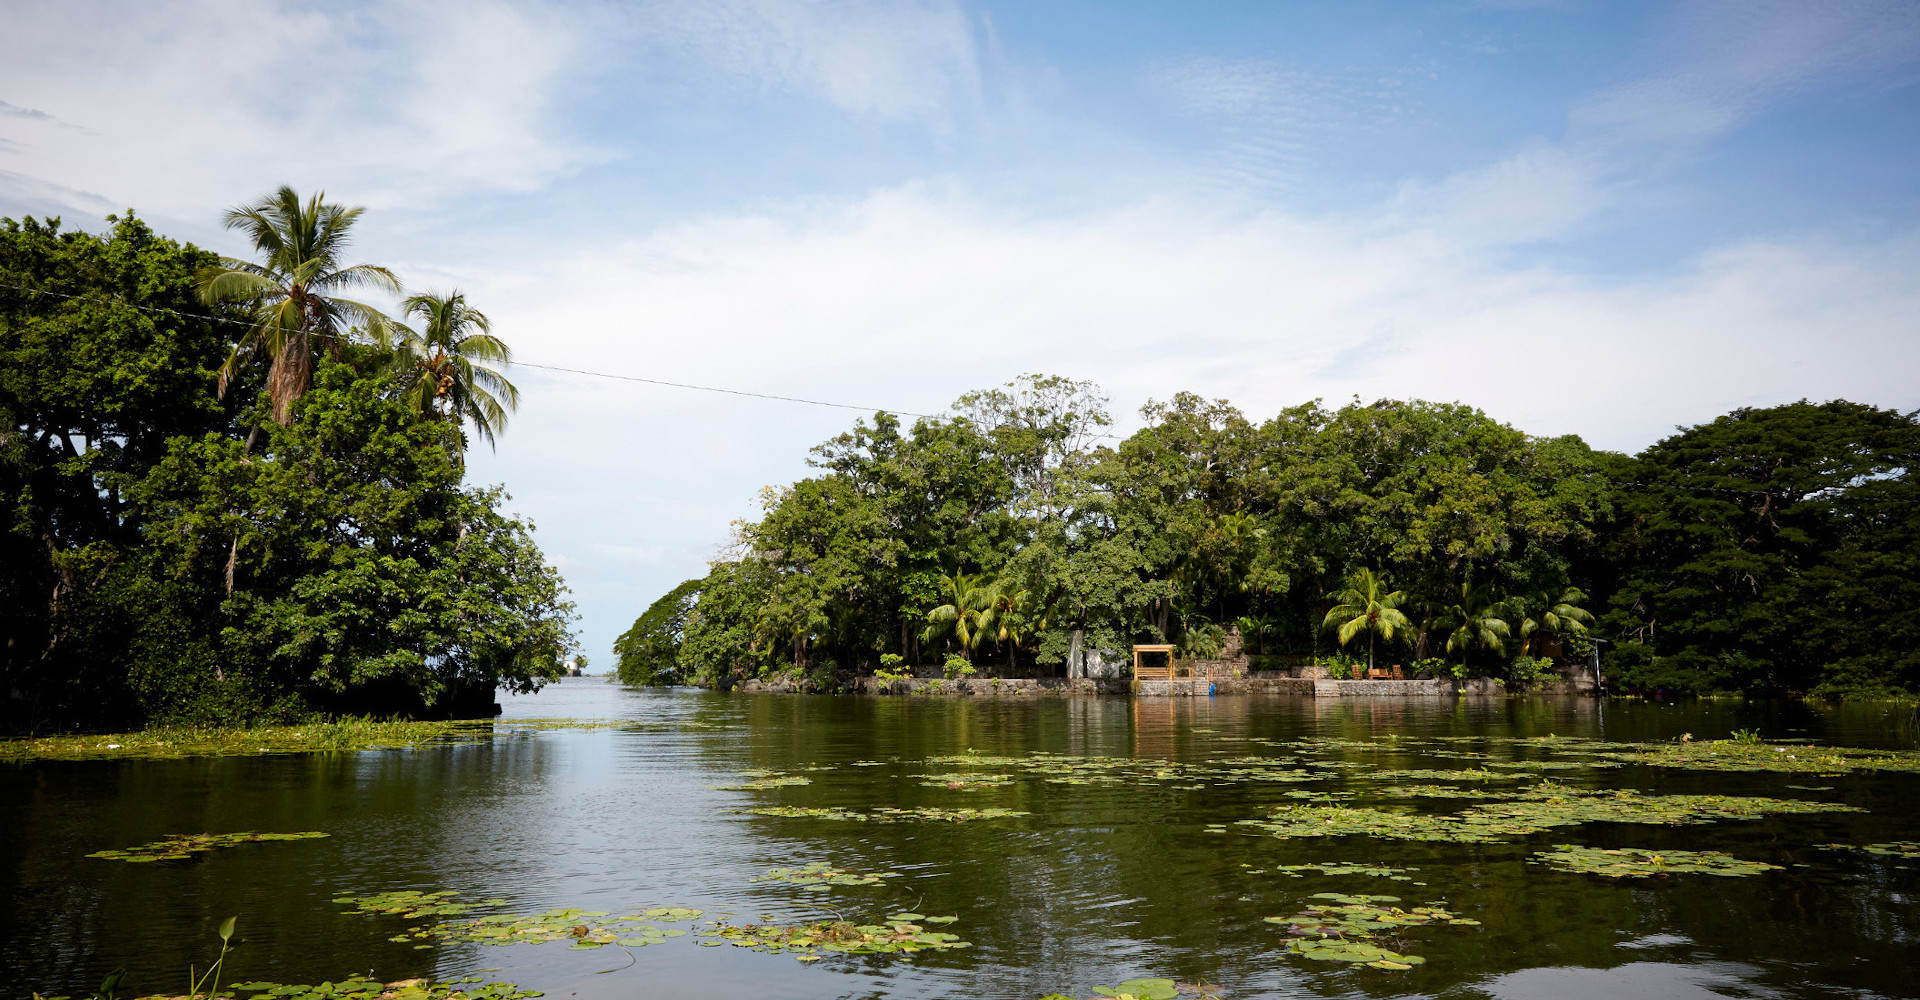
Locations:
column 1341, row 667
column 1528, row 669
column 957, row 666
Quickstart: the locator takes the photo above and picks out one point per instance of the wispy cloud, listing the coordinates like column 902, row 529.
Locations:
column 1717, row 63
column 411, row 103
column 903, row 60
column 1269, row 118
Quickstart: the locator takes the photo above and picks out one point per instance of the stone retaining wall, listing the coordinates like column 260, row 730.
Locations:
column 1382, row 689
column 1178, row 687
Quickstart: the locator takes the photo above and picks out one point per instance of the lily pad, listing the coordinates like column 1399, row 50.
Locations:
column 1635, row 862
column 185, row 845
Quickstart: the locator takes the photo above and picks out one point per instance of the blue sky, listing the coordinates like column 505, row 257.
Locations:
column 1596, row 218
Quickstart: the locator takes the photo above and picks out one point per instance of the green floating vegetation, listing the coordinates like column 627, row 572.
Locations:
column 176, row 742
column 806, row 941
column 1472, row 774
column 1150, row 989
column 1141, row 989
column 1346, row 928
column 1531, row 811
column 887, row 814
column 1893, row 849
column 360, row 988
column 1063, row 769
column 758, row 780
column 179, row 846
column 169, row 743
column 1741, row 755
column 965, row 782
column 820, row 875
column 1331, row 868
column 581, row 928
column 1635, row 862
column 414, row 904
column 584, row 928
column 1440, row 792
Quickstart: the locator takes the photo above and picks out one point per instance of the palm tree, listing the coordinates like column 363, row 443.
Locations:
column 969, row 615
column 1477, row 622
column 445, row 364
column 291, row 290
column 1558, row 616
column 1364, row 607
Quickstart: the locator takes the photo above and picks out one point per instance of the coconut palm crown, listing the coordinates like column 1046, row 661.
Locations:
column 1365, row 607
column 292, row 291
column 446, row 365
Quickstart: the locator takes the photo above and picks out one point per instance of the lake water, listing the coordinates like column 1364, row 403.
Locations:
column 1101, row 882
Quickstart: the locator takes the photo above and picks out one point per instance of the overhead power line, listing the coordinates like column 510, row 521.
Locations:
column 522, row 364
column 1371, row 465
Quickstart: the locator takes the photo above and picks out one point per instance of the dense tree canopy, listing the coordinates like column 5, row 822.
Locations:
column 161, row 559
column 1770, row 550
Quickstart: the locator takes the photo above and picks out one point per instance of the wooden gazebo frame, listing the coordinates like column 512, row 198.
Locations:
column 1155, row 673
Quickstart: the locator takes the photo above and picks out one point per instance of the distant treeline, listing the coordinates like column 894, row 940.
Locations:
column 301, row 543
column 1772, row 550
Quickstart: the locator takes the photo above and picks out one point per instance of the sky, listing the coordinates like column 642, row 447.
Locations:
column 1608, row 219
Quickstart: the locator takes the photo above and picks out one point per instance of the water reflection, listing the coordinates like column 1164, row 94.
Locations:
column 1099, row 883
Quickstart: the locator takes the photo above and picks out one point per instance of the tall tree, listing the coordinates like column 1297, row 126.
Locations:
column 292, row 291
column 447, row 364
column 1365, row 607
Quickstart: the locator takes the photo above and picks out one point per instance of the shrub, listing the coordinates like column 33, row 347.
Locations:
column 957, row 666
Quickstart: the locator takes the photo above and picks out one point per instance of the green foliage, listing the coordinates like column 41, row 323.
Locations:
column 170, row 556
column 1527, row 669
column 1365, row 608
column 292, row 293
column 446, row 367
column 957, row 666
column 648, row 653
column 1769, row 550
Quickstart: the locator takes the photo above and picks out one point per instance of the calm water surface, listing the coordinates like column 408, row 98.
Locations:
column 1099, row 884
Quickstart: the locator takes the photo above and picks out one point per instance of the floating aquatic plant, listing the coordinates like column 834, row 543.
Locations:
column 886, row 814
column 413, row 904
column 584, row 928
column 1635, row 862
column 1892, row 849
column 1736, row 755
column 178, row 846
column 965, row 782
column 1531, row 811
column 362, row 988
column 758, row 780
column 1345, row 928
column 1332, row 868
column 820, row 875
column 900, row 933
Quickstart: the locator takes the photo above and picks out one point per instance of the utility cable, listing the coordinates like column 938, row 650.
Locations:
column 1371, row 466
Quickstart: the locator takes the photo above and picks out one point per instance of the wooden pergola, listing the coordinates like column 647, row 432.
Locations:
column 1155, row 673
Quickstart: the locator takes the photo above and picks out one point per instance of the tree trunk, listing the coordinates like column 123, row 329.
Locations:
column 290, row 375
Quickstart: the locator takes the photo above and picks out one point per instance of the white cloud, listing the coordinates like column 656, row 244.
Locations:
column 181, row 105
column 910, row 296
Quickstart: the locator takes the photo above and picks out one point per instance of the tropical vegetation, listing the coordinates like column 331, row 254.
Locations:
column 1770, row 550
column 225, row 499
